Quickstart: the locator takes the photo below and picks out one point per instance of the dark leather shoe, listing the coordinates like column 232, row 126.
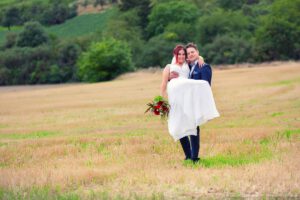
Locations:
column 195, row 160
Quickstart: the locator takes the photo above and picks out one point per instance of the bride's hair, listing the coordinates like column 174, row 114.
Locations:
column 176, row 50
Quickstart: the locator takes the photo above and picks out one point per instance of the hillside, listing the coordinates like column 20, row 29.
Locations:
column 93, row 141
column 82, row 25
column 75, row 27
column 4, row 3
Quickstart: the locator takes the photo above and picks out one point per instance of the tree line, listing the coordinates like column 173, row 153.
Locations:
column 143, row 33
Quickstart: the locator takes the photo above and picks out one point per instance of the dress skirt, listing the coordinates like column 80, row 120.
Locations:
column 191, row 104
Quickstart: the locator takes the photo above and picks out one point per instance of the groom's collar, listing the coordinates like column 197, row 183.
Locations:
column 193, row 63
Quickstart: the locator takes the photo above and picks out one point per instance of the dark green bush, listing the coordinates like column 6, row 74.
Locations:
column 228, row 49
column 105, row 60
column 32, row 35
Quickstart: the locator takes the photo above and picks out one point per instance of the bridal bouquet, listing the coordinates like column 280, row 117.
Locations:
column 159, row 106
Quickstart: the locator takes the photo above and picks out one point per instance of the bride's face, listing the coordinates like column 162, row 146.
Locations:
column 181, row 57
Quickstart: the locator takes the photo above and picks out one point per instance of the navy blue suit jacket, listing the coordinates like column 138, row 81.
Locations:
column 202, row 73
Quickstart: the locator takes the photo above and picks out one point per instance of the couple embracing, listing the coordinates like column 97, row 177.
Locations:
column 186, row 82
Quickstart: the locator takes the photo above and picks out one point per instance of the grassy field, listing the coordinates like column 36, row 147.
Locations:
column 4, row 3
column 93, row 141
column 82, row 25
column 75, row 27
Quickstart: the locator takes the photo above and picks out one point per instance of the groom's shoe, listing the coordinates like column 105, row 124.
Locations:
column 196, row 160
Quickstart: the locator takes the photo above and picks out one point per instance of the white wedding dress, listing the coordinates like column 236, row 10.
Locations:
column 191, row 103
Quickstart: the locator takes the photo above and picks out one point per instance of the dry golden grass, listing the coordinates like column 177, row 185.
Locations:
column 94, row 137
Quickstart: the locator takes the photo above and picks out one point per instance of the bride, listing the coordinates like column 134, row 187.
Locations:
column 191, row 101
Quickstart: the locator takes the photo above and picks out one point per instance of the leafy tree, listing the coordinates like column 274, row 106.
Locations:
column 231, row 4
column 4, row 76
column 172, row 12
column 105, row 60
column 250, row 2
column 32, row 12
column 32, row 35
column 219, row 23
column 228, row 49
column 278, row 36
column 278, row 39
column 11, row 17
column 67, row 58
column 129, row 4
column 99, row 2
column 128, row 31
column 287, row 10
column 57, row 14
column 28, row 65
column 143, row 8
column 10, row 40
column 158, row 51
column 183, row 32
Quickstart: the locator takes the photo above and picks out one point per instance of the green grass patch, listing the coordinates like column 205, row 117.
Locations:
column 3, row 144
column 254, row 156
column 82, row 25
column 47, row 193
column 222, row 160
column 32, row 135
column 287, row 82
column 35, row 193
column 136, row 133
column 248, row 122
column 4, row 31
column 235, row 160
column 265, row 141
column 102, row 149
column 289, row 133
column 256, row 152
column 3, row 125
column 284, row 82
column 12, row 28
column 276, row 114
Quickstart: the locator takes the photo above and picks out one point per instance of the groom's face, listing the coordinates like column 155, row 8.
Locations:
column 192, row 54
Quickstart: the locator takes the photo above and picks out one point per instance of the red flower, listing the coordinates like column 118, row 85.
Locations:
column 160, row 103
column 157, row 106
column 156, row 112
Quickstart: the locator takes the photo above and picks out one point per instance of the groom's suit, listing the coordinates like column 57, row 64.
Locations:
column 191, row 147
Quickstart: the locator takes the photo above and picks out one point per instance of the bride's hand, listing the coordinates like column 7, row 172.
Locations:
column 201, row 60
column 173, row 75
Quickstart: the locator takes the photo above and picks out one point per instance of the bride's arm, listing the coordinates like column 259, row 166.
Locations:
column 165, row 78
column 201, row 60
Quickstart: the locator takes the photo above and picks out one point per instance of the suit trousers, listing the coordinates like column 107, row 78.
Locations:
column 191, row 145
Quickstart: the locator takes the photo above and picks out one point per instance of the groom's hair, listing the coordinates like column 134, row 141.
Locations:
column 191, row 45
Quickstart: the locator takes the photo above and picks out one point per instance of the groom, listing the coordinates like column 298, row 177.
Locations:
column 191, row 144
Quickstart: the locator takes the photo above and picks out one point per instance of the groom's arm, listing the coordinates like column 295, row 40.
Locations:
column 206, row 73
